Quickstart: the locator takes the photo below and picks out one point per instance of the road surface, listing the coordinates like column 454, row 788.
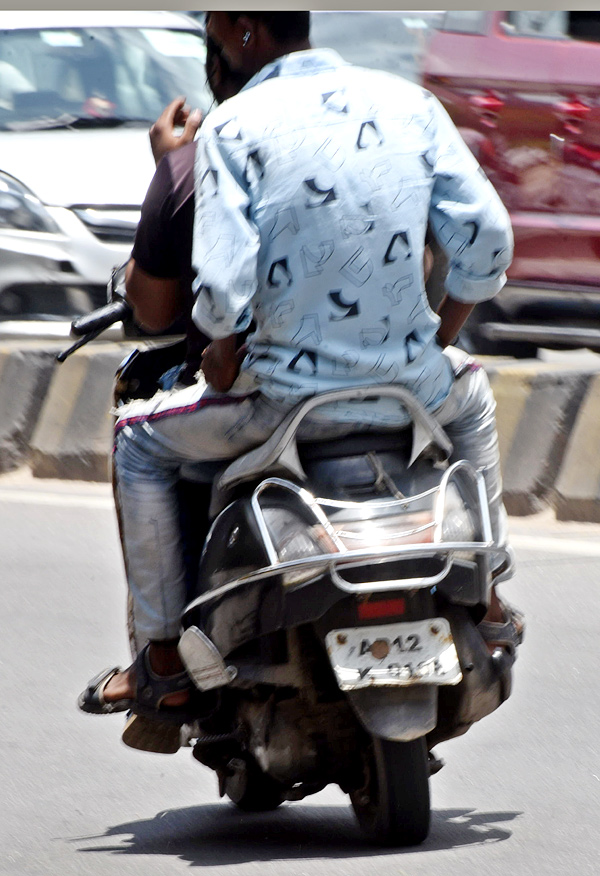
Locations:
column 519, row 793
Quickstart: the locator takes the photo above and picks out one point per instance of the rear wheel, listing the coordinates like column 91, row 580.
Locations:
column 250, row 788
column 393, row 806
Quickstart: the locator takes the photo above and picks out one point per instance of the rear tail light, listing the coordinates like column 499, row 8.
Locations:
column 381, row 608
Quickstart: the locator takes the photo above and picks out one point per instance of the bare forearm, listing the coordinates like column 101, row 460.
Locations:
column 221, row 363
column 156, row 301
column 225, row 348
column 453, row 315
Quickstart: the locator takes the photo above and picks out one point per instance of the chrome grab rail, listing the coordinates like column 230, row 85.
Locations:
column 325, row 562
column 281, row 452
column 349, row 558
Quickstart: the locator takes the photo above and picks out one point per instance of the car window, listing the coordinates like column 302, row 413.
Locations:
column 584, row 25
column 87, row 75
column 464, row 21
column 554, row 24
column 543, row 23
column 391, row 41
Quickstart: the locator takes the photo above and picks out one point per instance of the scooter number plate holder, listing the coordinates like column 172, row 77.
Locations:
column 394, row 655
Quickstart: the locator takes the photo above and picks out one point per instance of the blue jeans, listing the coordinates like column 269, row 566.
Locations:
column 194, row 429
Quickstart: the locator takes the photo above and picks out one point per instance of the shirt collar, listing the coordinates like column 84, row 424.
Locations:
column 305, row 63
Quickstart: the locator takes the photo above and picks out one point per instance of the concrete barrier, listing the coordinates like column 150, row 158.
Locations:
column 536, row 410
column 56, row 419
column 73, row 435
column 25, row 373
column 577, row 494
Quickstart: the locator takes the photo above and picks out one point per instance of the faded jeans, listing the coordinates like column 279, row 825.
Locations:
column 155, row 439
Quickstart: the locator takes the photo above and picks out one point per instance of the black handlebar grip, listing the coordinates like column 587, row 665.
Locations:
column 100, row 319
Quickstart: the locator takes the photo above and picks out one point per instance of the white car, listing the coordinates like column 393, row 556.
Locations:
column 78, row 92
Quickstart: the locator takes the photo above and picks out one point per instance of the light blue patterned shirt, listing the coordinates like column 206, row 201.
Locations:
column 314, row 188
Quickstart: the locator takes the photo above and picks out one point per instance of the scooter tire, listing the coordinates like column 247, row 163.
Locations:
column 393, row 807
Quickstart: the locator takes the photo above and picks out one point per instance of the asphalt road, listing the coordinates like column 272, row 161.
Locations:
column 519, row 793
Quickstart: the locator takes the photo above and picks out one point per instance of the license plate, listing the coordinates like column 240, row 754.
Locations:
column 394, row 655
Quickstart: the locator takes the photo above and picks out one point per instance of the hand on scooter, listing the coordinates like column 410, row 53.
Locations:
column 221, row 362
column 162, row 136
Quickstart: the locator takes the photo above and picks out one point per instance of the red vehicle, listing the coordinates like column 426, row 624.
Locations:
column 524, row 90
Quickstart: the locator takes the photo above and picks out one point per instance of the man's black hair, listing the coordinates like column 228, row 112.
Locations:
column 284, row 27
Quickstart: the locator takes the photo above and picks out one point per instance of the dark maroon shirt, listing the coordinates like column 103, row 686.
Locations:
column 163, row 241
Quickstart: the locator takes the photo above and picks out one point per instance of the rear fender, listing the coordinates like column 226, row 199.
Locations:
column 444, row 711
column 399, row 714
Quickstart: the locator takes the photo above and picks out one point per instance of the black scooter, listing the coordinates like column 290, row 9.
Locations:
column 335, row 592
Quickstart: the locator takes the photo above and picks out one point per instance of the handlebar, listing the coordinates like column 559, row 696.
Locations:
column 100, row 319
column 89, row 326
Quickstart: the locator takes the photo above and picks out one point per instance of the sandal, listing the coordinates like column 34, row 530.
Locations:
column 152, row 725
column 506, row 635
column 92, row 699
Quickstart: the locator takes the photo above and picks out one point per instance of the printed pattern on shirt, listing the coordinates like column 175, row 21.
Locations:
column 314, row 188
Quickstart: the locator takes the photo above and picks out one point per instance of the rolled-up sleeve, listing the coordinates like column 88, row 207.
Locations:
column 467, row 216
column 226, row 241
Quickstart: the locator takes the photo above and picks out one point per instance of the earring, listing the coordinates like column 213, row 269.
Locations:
column 246, row 37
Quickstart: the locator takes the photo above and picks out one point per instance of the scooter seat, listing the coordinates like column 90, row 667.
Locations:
column 356, row 444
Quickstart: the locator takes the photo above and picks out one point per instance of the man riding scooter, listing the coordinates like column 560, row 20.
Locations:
column 314, row 187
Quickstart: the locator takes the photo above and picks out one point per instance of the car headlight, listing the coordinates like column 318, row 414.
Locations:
column 21, row 210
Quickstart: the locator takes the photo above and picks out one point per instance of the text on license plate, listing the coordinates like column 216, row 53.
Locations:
column 415, row 652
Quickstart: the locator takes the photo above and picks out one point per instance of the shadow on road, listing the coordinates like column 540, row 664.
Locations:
column 208, row 836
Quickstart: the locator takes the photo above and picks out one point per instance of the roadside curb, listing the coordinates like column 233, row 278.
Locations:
column 56, row 419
